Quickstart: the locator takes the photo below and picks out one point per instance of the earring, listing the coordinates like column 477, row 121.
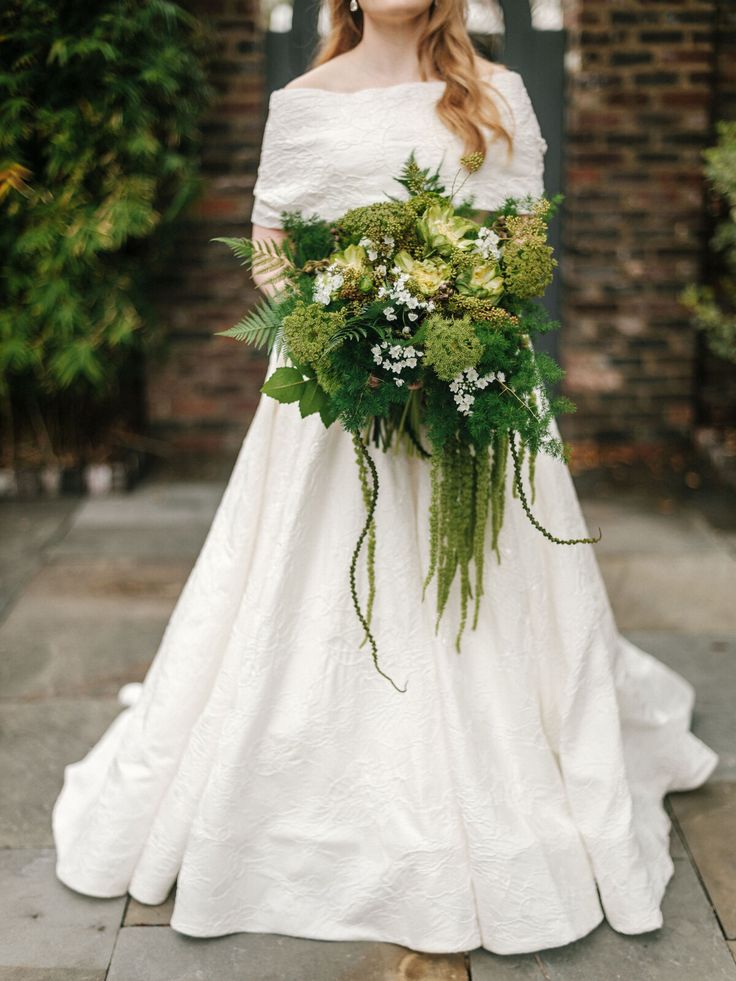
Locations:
column 353, row 5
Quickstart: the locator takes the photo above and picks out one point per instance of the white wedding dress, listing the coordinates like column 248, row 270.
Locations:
column 511, row 797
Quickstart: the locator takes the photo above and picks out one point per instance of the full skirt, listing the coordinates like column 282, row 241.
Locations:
column 510, row 798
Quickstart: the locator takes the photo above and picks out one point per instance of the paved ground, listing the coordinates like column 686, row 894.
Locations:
column 86, row 589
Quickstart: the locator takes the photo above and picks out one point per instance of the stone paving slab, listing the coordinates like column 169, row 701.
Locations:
column 141, row 914
column 708, row 662
column 707, row 818
column 636, row 527
column 162, row 954
column 47, row 926
column 25, row 531
column 50, row 974
column 65, row 646
column 144, row 544
column 687, row 593
column 36, row 741
column 688, row 946
column 485, row 966
column 108, row 578
column 152, row 505
column 154, row 523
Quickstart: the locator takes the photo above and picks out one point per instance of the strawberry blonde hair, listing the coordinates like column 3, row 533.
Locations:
column 445, row 50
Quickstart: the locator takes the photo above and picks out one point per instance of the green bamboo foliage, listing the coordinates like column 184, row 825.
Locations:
column 100, row 106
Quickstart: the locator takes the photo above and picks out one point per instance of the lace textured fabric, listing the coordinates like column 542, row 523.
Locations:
column 325, row 152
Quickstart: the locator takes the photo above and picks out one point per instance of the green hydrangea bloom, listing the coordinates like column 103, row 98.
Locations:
column 308, row 328
column 450, row 345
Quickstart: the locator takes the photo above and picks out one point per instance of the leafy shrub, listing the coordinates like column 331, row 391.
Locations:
column 99, row 148
column 714, row 307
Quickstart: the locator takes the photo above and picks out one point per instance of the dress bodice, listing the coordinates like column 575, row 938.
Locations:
column 324, row 152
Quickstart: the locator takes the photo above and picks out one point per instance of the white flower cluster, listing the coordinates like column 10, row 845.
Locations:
column 396, row 291
column 467, row 382
column 372, row 248
column 325, row 284
column 395, row 357
column 487, row 243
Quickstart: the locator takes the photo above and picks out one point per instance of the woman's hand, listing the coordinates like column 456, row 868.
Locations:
column 262, row 274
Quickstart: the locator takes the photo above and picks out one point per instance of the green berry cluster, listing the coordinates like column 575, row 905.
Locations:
column 394, row 218
column 528, row 261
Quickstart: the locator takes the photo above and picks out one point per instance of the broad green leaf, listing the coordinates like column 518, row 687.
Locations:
column 328, row 413
column 285, row 385
column 313, row 398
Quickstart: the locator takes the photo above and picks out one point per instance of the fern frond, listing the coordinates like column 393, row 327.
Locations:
column 279, row 341
column 348, row 332
column 259, row 253
column 279, row 273
column 260, row 325
column 269, row 255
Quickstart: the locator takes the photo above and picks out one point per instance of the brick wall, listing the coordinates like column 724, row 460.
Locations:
column 639, row 106
column 639, row 93
column 203, row 391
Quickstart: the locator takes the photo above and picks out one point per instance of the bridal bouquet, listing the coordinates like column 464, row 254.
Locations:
column 409, row 323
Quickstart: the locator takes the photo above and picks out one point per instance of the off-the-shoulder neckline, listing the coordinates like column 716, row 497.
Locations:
column 371, row 90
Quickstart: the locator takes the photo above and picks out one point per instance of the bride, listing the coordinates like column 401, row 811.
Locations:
column 512, row 797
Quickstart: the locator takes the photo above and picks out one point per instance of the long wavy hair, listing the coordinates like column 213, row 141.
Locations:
column 445, row 50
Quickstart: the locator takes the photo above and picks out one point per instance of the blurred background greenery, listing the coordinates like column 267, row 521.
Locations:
column 100, row 107
column 714, row 306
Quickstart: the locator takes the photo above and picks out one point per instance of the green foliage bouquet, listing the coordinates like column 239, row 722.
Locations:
column 409, row 323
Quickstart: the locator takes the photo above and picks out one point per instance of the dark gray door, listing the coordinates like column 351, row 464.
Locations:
column 539, row 57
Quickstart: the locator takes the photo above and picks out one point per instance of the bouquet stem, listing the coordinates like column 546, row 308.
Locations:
column 402, row 420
